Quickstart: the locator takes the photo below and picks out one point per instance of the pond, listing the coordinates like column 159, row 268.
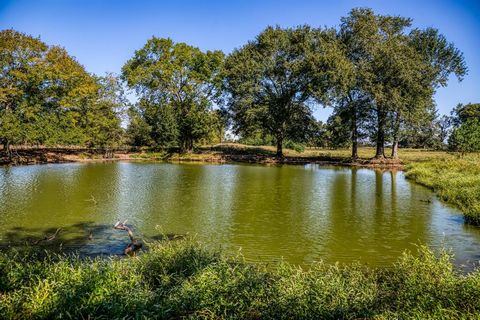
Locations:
column 300, row 214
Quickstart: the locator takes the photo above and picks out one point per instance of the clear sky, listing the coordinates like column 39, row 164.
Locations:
column 102, row 35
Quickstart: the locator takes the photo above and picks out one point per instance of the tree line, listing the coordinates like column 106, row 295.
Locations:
column 377, row 72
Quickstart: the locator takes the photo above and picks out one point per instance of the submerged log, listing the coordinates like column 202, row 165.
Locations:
column 47, row 237
column 134, row 244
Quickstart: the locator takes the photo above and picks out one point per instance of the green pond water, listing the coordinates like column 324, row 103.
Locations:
column 300, row 214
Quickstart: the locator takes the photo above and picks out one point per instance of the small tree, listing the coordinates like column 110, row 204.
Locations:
column 105, row 114
column 466, row 138
column 175, row 79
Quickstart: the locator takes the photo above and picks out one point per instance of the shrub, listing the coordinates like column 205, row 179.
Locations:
column 182, row 279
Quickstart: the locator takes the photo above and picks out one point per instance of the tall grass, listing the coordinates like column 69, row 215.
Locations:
column 181, row 279
column 456, row 181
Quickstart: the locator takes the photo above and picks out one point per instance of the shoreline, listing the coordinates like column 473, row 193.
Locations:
column 454, row 180
column 65, row 155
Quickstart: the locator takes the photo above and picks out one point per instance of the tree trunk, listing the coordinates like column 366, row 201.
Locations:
column 279, row 147
column 8, row 149
column 190, row 146
column 396, row 130
column 186, row 146
column 354, row 134
column 395, row 148
column 380, row 153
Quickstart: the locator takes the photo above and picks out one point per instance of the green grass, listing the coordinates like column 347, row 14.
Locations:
column 364, row 153
column 182, row 279
column 456, row 181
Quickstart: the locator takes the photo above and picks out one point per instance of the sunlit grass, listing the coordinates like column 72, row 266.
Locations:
column 182, row 279
column 365, row 153
column 456, row 181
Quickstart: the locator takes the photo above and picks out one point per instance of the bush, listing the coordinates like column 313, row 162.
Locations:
column 298, row 147
column 182, row 279
column 466, row 138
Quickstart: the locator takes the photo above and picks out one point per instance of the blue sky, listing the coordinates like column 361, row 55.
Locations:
column 102, row 35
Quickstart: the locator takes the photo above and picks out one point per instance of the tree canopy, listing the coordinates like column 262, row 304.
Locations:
column 378, row 72
column 273, row 81
column 465, row 136
column 47, row 97
column 395, row 73
column 177, row 85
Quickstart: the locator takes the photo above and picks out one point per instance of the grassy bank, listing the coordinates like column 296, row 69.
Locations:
column 456, row 181
column 181, row 279
column 229, row 152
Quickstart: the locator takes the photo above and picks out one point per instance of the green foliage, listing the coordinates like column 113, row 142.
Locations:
column 319, row 135
column 298, row 147
column 396, row 73
column 104, row 115
column 462, row 113
column 272, row 81
column 182, row 279
column 339, row 128
column 47, row 97
column 138, row 131
column 177, row 84
column 162, row 122
column 466, row 138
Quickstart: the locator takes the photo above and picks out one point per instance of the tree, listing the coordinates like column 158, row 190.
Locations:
column 395, row 72
column 273, row 81
column 161, row 122
column 444, row 125
column 46, row 96
column 358, row 36
column 138, row 131
column 395, row 83
column 104, row 115
column 461, row 113
column 19, row 54
column 175, row 80
column 440, row 59
column 319, row 135
column 339, row 128
column 220, row 123
column 385, row 75
column 465, row 136
column 421, row 130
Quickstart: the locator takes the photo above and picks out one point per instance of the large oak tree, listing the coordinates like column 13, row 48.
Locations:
column 274, row 81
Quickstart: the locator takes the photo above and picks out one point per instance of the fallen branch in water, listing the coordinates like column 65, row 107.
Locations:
column 92, row 199
column 47, row 237
column 134, row 244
